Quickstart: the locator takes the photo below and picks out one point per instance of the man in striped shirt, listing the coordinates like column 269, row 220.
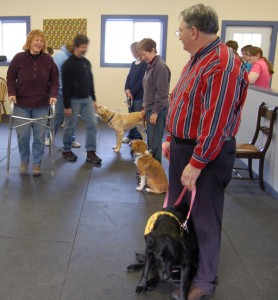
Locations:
column 203, row 118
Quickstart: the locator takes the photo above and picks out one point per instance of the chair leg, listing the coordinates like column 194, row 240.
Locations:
column 261, row 173
column 250, row 168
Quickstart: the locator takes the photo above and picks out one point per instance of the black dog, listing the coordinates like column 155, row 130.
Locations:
column 168, row 247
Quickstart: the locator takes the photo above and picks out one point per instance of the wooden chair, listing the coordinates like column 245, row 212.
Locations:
column 3, row 93
column 250, row 151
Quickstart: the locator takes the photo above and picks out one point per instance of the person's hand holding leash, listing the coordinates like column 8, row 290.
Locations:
column 166, row 149
column 153, row 118
column 189, row 177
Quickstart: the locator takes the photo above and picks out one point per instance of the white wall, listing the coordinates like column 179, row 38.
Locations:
column 109, row 82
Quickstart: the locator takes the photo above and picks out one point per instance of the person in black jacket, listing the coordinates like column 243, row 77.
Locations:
column 79, row 99
column 134, row 89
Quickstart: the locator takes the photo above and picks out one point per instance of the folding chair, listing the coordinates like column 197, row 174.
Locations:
column 250, row 151
column 50, row 125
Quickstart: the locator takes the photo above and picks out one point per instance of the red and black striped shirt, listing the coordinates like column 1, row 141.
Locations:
column 207, row 101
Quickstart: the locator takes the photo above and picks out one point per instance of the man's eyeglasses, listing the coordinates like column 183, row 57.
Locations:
column 179, row 31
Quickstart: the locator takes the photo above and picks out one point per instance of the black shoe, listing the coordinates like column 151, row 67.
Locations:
column 69, row 155
column 93, row 158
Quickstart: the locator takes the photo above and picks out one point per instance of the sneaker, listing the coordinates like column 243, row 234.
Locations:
column 36, row 171
column 126, row 140
column 69, row 155
column 75, row 145
column 47, row 141
column 93, row 158
column 23, row 168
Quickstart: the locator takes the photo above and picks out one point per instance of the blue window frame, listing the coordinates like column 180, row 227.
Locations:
column 13, row 32
column 118, row 32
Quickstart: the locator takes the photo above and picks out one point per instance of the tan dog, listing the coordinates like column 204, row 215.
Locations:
column 121, row 122
column 151, row 171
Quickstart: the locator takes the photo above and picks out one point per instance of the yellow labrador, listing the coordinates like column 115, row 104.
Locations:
column 121, row 122
column 151, row 171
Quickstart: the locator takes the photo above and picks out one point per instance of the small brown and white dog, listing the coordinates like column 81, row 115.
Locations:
column 150, row 170
column 121, row 122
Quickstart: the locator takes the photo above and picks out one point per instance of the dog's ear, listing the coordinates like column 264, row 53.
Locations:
column 134, row 146
column 142, row 148
column 149, row 240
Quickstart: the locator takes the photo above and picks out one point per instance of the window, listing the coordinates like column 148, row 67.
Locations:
column 13, row 31
column 119, row 32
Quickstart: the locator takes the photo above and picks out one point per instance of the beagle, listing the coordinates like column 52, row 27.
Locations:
column 150, row 170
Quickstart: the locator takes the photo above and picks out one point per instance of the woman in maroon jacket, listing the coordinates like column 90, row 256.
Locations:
column 33, row 84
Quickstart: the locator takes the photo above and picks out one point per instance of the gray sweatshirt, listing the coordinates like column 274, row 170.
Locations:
column 156, row 85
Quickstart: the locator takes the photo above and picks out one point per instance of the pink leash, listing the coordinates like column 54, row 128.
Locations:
column 193, row 194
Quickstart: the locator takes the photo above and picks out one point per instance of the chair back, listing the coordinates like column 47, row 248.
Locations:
column 3, row 89
column 266, row 115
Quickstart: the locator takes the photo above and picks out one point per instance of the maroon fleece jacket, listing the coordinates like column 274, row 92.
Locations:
column 32, row 79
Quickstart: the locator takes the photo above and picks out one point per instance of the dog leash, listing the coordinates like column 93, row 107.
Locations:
column 128, row 102
column 193, row 194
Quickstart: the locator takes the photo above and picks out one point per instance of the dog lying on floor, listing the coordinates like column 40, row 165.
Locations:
column 150, row 170
column 121, row 122
column 168, row 246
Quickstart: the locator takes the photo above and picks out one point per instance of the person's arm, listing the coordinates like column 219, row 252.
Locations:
column 54, row 80
column 138, row 86
column 254, row 73
column 67, row 70
column 12, row 77
column 93, row 94
column 252, row 77
column 161, row 77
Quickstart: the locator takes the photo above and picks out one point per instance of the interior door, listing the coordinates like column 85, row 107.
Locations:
column 253, row 35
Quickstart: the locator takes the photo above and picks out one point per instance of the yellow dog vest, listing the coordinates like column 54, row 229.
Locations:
column 153, row 218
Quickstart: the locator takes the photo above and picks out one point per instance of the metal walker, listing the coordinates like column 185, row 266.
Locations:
column 50, row 126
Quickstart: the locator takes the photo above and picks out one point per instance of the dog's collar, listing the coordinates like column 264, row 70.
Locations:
column 111, row 118
column 153, row 218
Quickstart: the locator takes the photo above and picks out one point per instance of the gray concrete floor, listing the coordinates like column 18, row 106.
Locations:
column 71, row 236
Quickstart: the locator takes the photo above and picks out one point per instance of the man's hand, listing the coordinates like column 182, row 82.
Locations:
column 12, row 99
column 153, row 118
column 68, row 112
column 189, row 177
column 166, row 149
column 52, row 100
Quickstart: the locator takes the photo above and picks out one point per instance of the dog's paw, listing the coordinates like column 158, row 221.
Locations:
column 148, row 190
column 134, row 267
column 139, row 189
column 141, row 288
column 140, row 257
column 115, row 149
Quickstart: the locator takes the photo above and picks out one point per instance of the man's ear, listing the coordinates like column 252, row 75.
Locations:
column 149, row 240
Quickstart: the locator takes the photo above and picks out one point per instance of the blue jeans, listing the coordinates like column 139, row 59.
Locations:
column 155, row 133
column 85, row 108
column 24, row 133
column 136, row 106
column 59, row 116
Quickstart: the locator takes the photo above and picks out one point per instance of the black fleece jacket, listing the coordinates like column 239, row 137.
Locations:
column 77, row 79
